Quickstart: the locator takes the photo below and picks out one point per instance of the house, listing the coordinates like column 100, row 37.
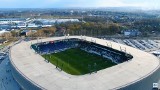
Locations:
column 27, row 32
column 2, row 41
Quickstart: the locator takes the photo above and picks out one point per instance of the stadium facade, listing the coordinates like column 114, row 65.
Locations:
column 32, row 73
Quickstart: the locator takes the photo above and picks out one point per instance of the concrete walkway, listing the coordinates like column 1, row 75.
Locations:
column 33, row 66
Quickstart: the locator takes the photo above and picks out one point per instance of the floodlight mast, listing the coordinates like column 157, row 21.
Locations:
column 57, row 64
column 123, row 50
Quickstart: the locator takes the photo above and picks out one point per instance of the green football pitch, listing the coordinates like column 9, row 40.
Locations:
column 78, row 62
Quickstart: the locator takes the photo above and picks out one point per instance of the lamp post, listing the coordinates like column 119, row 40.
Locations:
column 57, row 64
column 107, row 44
column 45, row 57
column 89, row 68
column 61, row 66
column 95, row 65
column 111, row 44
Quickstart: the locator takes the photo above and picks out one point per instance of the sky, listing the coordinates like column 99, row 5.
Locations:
column 146, row 4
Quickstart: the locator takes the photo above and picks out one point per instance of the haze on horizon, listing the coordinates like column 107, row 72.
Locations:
column 142, row 4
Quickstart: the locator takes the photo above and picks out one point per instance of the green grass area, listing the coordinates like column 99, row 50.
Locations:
column 1, row 46
column 78, row 62
column 5, row 44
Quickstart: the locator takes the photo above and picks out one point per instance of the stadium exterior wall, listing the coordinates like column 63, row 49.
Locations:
column 23, row 81
column 145, row 83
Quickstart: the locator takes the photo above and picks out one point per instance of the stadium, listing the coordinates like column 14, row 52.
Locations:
column 82, row 63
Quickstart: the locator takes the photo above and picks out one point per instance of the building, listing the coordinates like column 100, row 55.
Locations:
column 12, row 20
column 3, row 31
column 53, row 21
column 6, row 27
column 27, row 32
column 131, row 33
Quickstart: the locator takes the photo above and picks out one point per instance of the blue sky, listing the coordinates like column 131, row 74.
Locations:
column 148, row 4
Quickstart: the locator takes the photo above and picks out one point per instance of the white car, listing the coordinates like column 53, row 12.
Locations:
column 155, row 86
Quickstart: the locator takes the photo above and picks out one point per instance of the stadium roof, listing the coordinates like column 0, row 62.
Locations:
column 47, row 76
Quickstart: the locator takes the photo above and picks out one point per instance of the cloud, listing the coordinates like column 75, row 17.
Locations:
column 104, row 3
column 111, row 3
column 26, row 3
column 78, row 3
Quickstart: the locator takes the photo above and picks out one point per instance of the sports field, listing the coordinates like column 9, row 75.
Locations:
column 78, row 62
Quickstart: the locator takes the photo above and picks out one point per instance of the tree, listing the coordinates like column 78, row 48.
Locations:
column 6, row 35
column 45, row 32
column 15, row 33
